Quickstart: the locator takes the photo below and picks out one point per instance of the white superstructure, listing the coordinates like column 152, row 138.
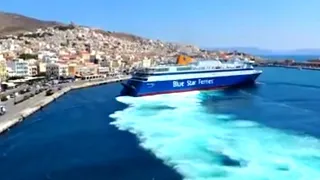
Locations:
column 198, row 69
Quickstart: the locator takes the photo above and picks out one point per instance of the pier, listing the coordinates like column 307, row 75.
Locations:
column 310, row 65
column 17, row 113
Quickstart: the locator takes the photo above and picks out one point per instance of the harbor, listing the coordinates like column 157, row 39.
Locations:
column 18, row 112
column 100, row 92
column 72, row 138
column 309, row 64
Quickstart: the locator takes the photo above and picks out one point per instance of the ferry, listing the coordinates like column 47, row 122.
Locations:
column 190, row 75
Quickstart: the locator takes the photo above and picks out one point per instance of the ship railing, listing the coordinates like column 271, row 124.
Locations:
column 219, row 67
column 159, row 70
column 153, row 70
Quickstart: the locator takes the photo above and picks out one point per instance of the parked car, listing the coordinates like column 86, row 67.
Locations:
column 49, row 92
column 2, row 110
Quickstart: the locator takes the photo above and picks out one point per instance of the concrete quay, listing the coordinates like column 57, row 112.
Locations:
column 17, row 113
column 309, row 65
column 290, row 67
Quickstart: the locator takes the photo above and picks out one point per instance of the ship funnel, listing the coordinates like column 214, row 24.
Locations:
column 183, row 60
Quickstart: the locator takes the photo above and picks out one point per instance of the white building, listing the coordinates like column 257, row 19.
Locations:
column 41, row 67
column 1, row 57
column 18, row 67
column 88, row 69
column 49, row 59
column 56, row 70
column 146, row 62
column 103, row 70
column 105, row 63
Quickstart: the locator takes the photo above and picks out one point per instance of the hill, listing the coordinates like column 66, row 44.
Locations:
column 35, row 35
column 11, row 23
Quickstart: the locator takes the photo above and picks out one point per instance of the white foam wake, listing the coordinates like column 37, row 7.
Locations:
column 199, row 145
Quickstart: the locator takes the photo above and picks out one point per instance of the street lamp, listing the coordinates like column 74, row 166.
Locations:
column 14, row 98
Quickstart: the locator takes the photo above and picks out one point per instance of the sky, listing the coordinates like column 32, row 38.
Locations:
column 270, row 24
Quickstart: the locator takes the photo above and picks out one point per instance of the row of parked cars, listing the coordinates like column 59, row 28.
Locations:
column 35, row 88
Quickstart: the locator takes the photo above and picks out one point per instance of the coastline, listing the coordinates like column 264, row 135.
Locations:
column 24, row 113
column 309, row 64
column 291, row 67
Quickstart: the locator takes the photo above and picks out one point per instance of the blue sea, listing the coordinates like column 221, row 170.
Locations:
column 268, row 131
column 294, row 57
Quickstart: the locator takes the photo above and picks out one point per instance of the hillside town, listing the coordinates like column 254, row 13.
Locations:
column 74, row 51
column 52, row 60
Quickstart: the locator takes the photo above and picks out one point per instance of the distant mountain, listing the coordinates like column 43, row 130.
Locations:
column 305, row 52
column 258, row 51
column 249, row 50
column 11, row 23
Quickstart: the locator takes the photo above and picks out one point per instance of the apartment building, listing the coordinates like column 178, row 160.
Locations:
column 57, row 70
column 3, row 71
column 103, row 70
column 41, row 67
column 18, row 67
column 33, row 70
column 3, row 68
column 72, row 68
column 146, row 62
column 87, row 69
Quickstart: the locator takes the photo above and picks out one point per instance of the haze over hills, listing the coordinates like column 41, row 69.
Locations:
column 258, row 51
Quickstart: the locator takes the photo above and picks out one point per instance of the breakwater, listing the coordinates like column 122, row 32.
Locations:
column 41, row 102
column 310, row 65
column 292, row 67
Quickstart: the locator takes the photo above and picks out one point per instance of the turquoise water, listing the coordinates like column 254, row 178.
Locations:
column 269, row 131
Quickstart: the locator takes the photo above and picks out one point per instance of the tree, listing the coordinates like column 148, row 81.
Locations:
column 26, row 56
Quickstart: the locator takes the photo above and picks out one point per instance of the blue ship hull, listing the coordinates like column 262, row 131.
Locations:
column 143, row 88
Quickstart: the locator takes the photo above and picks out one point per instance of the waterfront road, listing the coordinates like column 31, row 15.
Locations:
column 79, row 82
column 12, row 91
column 14, row 110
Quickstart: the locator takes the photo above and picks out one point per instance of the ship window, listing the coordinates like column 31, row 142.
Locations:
column 141, row 78
column 140, row 74
column 218, row 67
column 183, row 68
column 161, row 69
column 199, row 68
